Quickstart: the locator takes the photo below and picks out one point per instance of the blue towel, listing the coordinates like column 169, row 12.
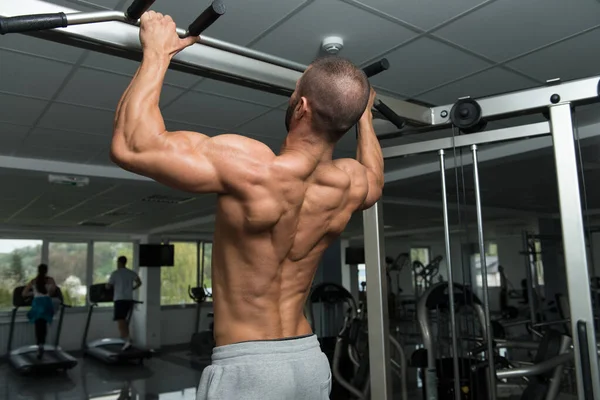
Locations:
column 42, row 307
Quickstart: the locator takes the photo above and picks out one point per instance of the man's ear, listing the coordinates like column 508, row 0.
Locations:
column 302, row 108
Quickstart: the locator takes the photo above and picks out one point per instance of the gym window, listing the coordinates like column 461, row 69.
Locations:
column 492, row 261
column 67, row 264
column 105, row 261
column 422, row 255
column 205, row 272
column 18, row 264
column 176, row 280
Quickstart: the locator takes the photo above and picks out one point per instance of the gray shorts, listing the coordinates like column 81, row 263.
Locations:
column 286, row 369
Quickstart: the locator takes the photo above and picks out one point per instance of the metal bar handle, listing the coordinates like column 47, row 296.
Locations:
column 376, row 68
column 584, row 352
column 389, row 114
column 207, row 18
column 28, row 23
column 137, row 8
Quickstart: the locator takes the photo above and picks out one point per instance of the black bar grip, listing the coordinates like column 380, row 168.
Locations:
column 584, row 355
column 207, row 18
column 389, row 114
column 137, row 8
column 377, row 67
column 35, row 22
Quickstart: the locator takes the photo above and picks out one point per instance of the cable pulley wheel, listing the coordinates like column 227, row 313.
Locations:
column 466, row 116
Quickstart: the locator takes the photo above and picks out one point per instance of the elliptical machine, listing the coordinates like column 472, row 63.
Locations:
column 202, row 343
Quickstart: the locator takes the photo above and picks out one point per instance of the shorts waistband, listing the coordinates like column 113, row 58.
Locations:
column 267, row 350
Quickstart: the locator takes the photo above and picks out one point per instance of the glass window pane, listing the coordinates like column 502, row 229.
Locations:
column 105, row 260
column 68, row 266
column 177, row 279
column 207, row 279
column 19, row 260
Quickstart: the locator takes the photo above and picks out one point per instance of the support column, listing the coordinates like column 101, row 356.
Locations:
column 146, row 319
column 377, row 304
column 575, row 255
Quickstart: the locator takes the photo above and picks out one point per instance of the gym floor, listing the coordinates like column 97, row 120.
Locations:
column 169, row 376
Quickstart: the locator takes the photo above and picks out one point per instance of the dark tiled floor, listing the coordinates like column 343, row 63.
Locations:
column 167, row 377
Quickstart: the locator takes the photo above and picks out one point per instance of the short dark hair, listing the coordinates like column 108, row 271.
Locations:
column 122, row 260
column 337, row 93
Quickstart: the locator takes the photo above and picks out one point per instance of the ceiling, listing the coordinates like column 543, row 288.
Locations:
column 57, row 102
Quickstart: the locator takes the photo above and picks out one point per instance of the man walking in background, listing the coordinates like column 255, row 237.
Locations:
column 123, row 281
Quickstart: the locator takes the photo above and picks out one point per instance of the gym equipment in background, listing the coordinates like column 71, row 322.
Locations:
column 109, row 350
column 24, row 359
column 202, row 343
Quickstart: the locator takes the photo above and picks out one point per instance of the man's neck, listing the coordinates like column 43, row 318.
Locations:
column 309, row 143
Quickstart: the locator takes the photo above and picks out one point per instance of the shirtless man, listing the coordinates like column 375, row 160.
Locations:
column 276, row 213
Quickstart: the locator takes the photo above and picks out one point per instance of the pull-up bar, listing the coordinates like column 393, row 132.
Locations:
column 40, row 22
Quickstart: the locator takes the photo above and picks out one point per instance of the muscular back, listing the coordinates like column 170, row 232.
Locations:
column 268, row 244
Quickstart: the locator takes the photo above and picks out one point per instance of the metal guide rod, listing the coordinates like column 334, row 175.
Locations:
column 457, row 391
column 528, row 271
column 574, row 244
column 484, row 277
column 377, row 306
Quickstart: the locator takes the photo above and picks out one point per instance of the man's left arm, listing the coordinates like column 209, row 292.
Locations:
column 187, row 161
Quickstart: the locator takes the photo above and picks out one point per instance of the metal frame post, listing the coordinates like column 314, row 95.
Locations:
column 484, row 277
column 377, row 304
column 580, row 303
column 457, row 392
column 529, row 273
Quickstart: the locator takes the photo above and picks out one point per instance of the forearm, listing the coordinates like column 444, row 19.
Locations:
column 368, row 151
column 138, row 121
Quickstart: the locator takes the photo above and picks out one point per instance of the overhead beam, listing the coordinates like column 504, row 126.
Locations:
column 60, row 167
column 453, row 206
column 497, row 152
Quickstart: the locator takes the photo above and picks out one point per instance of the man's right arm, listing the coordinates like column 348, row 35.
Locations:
column 111, row 281
column 137, row 282
column 369, row 154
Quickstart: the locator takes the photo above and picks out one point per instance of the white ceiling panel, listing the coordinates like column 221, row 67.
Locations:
column 270, row 125
column 90, row 87
column 242, row 22
column 507, row 28
column 365, row 35
column 94, row 88
column 422, row 13
column 487, row 83
column 20, row 110
column 55, row 139
column 40, row 47
column 203, row 109
column 31, row 76
column 424, row 64
column 240, row 92
column 80, row 119
column 102, row 158
column 181, row 79
column 49, row 153
column 11, row 137
column 111, row 63
column 83, row 5
column 570, row 59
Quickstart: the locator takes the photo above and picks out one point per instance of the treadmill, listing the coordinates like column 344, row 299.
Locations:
column 24, row 359
column 109, row 350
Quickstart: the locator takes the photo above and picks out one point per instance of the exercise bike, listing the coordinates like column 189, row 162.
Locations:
column 202, row 343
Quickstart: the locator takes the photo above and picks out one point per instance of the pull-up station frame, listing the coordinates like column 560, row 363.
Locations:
column 116, row 33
